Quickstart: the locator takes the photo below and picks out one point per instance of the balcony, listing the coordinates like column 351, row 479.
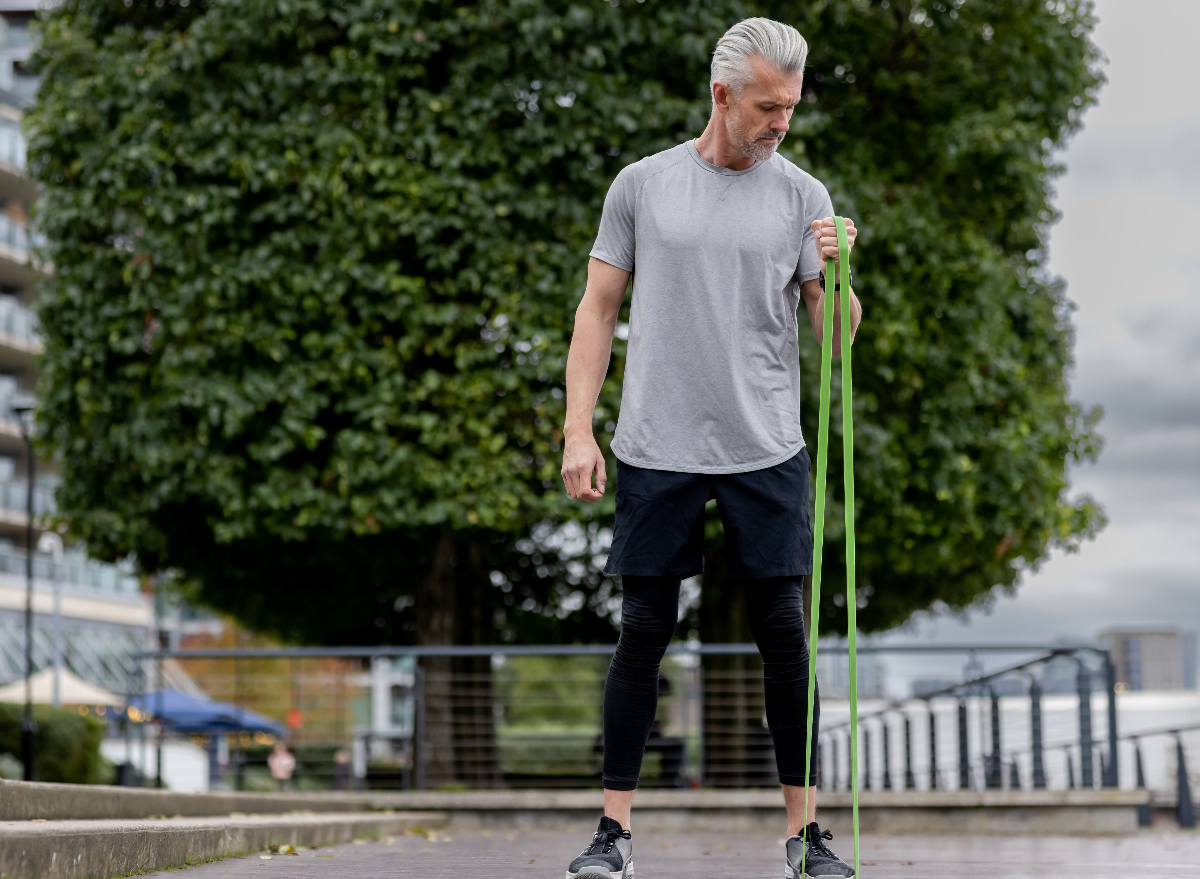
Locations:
column 12, row 143
column 16, row 268
column 76, row 573
column 19, row 339
column 15, row 185
column 13, row 505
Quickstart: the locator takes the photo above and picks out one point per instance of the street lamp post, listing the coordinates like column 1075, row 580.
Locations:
column 51, row 544
column 24, row 414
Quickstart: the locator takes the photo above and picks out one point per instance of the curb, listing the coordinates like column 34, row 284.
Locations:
column 107, row 848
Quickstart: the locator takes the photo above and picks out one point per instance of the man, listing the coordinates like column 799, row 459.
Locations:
column 723, row 238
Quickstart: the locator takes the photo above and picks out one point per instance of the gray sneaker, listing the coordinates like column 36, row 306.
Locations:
column 819, row 861
column 609, row 856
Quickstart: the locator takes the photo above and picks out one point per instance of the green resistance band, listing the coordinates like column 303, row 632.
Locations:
column 843, row 263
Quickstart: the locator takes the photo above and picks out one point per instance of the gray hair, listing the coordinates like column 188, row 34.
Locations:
column 780, row 45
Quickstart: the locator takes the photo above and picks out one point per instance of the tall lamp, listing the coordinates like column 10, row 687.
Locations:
column 24, row 414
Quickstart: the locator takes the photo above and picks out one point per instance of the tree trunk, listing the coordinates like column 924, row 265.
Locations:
column 436, row 604
column 476, row 755
column 460, row 727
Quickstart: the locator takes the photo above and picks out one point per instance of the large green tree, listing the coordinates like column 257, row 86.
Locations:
column 316, row 263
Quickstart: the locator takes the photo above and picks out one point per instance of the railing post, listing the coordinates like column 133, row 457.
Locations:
column 1145, row 811
column 127, row 773
column 1014, row 775
column 866, row 737
column 1185, row 809
column 993, row 779
column 1084, row 687
column 1112, row 777
column 419, row 728
column 887, row 755
column 910, row 781
column 1070, row 768
column 833, row 763
column 933, row 761
column 1035, row 724
column 964, row 756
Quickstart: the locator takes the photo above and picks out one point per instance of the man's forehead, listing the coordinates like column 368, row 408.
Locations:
column 771, row 83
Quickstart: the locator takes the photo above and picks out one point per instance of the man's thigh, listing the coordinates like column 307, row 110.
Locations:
column 659, row 528
column 768, row 523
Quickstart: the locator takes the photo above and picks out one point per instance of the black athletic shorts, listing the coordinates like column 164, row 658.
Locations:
column 660, row 521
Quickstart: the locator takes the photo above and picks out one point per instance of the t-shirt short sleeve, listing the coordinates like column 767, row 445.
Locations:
column 615, row 240
column 817, row 206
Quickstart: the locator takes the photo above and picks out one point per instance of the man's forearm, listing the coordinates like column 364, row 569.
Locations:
column 817, row 316
column 587, row 364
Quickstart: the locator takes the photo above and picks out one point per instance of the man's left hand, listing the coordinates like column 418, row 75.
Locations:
column 825, row 234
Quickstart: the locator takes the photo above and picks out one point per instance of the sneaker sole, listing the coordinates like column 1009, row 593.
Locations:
column 789, row 873
column 601, row 873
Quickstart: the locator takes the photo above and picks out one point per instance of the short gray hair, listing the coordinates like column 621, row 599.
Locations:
column 780, row 45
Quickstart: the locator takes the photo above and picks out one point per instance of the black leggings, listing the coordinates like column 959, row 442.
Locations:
column 649, row 612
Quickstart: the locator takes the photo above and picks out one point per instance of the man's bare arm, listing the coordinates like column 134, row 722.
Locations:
column 587, row 364
column 814, row 301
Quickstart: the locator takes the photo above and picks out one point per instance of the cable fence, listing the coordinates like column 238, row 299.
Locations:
column 531, row 717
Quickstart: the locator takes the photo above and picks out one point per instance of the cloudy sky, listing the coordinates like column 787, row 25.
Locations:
column 1128, row 245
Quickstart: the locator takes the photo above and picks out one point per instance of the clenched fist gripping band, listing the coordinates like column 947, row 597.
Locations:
column 842, row 264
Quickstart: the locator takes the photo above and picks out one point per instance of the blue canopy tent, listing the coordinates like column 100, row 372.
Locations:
column 182, row 713
column 191, row 715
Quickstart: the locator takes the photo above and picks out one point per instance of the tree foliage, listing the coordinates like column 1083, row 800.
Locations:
column 316, row 265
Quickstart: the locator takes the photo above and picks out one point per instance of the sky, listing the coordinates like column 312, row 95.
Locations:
column 1128, row 246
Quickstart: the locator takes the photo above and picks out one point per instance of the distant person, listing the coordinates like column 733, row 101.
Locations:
column 723, row 239
column 341, row 769
column 282, row 764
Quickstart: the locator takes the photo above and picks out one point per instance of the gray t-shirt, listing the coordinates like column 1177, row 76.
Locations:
column 712, row 377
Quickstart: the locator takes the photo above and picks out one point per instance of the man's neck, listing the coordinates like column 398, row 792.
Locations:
column 715, row 147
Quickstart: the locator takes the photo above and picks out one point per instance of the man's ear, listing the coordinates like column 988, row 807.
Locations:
column 721, row 95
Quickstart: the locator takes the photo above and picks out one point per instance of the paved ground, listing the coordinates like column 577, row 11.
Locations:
column 545, row 854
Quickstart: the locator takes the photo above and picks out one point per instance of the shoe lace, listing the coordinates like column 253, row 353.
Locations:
column 817, row 842
column 604, row 840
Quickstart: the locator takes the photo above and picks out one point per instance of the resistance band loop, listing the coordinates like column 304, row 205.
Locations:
column 842, row 264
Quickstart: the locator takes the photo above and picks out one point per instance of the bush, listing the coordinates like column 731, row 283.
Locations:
column 68, row 744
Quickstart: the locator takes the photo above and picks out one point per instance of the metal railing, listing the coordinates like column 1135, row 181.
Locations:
column 18, row 322
column 76, row 572
column 506, row 716
column 12, row 142
column 13, row 496
column 14, row 234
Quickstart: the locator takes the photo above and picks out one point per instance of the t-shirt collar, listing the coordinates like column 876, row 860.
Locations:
column 717, row 169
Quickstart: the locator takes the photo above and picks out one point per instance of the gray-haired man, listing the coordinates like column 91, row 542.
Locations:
column 723, row 238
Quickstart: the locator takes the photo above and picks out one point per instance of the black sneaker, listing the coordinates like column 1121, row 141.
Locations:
column 609, row 856
column 818, row 860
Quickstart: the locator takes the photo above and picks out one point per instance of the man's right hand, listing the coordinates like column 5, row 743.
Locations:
column 581, row 459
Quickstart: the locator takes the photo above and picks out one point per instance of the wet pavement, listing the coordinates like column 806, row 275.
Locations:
column 457, row 854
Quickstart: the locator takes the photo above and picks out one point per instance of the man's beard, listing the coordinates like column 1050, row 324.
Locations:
column 749, row 144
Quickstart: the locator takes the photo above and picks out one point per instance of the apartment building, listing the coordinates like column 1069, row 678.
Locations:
column 88, row 616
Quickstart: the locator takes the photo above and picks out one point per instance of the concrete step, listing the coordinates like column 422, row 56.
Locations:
column 83, row 849
column 25, row 800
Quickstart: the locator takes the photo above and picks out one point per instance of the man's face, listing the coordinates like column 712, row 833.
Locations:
column 758, row 120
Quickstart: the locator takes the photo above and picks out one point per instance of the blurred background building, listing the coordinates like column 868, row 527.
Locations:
column 88, row 616
column 1162, row 659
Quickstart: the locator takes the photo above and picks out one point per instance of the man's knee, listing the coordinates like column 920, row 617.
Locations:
column 645, row 642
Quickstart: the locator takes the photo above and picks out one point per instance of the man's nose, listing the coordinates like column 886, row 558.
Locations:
column 780, row 121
